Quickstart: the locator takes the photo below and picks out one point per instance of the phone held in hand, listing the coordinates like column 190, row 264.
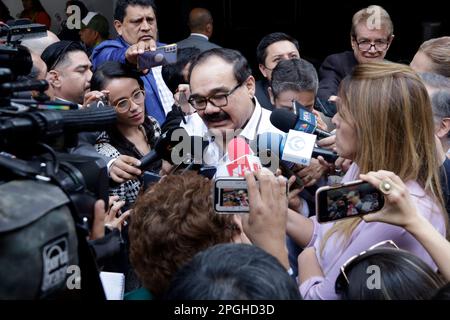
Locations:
column 231, row 195
column 161, row 56
column 347, row 200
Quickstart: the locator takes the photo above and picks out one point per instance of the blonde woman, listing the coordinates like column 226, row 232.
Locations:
column 384, row 122
column 433, row 56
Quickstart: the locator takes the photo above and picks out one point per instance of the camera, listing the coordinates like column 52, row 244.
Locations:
column 46, row 194
column 161, row 56
column 347, row 200
column 231, row 195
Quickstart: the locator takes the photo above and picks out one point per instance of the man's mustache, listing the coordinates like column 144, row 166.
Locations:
column 216, row 117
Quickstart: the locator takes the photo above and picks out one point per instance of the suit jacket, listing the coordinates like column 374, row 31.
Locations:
column 197, row 42
column 333, row 69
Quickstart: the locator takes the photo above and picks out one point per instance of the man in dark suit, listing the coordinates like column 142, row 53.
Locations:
column 272, row 49
column 201, row 25
column 371, row 36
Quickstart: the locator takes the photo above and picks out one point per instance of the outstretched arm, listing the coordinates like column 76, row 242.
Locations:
column 400, row 211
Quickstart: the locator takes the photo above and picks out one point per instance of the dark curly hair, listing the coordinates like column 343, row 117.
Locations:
column 172, row 222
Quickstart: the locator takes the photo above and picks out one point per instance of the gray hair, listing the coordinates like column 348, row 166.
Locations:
column 434, row 80
column 294, row 74
column 440, row 100
column 368, row 14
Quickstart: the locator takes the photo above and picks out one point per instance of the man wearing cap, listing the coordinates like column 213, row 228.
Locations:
column 135, row 22
column 94, row 30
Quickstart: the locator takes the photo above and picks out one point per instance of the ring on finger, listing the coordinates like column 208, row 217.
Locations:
column 385, row 187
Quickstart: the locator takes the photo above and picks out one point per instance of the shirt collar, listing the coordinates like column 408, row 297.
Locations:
column 252, row 126
column 199, row 35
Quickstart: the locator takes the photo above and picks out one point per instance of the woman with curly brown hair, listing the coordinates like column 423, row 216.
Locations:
column 171, row 223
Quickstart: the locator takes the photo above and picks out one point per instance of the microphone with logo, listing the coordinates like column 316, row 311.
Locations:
column 304, row 121
column 297, row 147
column 241, row 159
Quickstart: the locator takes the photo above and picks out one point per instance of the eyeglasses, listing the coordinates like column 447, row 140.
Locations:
column 379, row 45
column 344, row 268
column 217, row 100
column 125, row 104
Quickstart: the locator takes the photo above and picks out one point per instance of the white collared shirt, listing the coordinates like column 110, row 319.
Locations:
column 164, row 92
column 259, row 122
column 199, row 35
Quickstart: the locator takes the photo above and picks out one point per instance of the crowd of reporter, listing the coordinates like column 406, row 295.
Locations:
column 389, row 125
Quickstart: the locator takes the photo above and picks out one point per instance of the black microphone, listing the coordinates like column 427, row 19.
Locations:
column 305, row 121
column 328, row 155
column 38, row 85
column 176, row 146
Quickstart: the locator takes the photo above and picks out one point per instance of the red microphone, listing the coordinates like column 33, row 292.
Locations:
column 241, row 158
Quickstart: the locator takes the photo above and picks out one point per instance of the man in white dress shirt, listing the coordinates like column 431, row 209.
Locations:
column 223, row 94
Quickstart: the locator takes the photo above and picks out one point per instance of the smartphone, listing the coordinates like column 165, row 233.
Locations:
column 347, row 200
column 161, row 56
column 231, row 195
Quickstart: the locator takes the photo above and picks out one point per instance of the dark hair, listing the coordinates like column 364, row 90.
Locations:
column 83, row 9
column 112, row 70
column 261, row 53
column 122, row 5
column 172, row 222
column 5, row 15
column 233, row 272
column 443, row 293
column 199, row 21
column 102, row 76
column 403, row 276
column 294, row 74
column 241, row 68
column 173, row 73
column 57, row 52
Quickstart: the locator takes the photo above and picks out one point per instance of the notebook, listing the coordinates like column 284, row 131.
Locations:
column 113, row 285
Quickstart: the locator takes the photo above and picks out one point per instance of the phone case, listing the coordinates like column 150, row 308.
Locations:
column 161, row 56
column 348, row 203
column 229, row 197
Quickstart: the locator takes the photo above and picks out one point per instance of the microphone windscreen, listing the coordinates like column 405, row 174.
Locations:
column 237, row 148
column 283, row 119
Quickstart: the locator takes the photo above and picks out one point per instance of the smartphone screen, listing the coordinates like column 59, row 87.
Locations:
column 351, row 199
column 231, row 195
